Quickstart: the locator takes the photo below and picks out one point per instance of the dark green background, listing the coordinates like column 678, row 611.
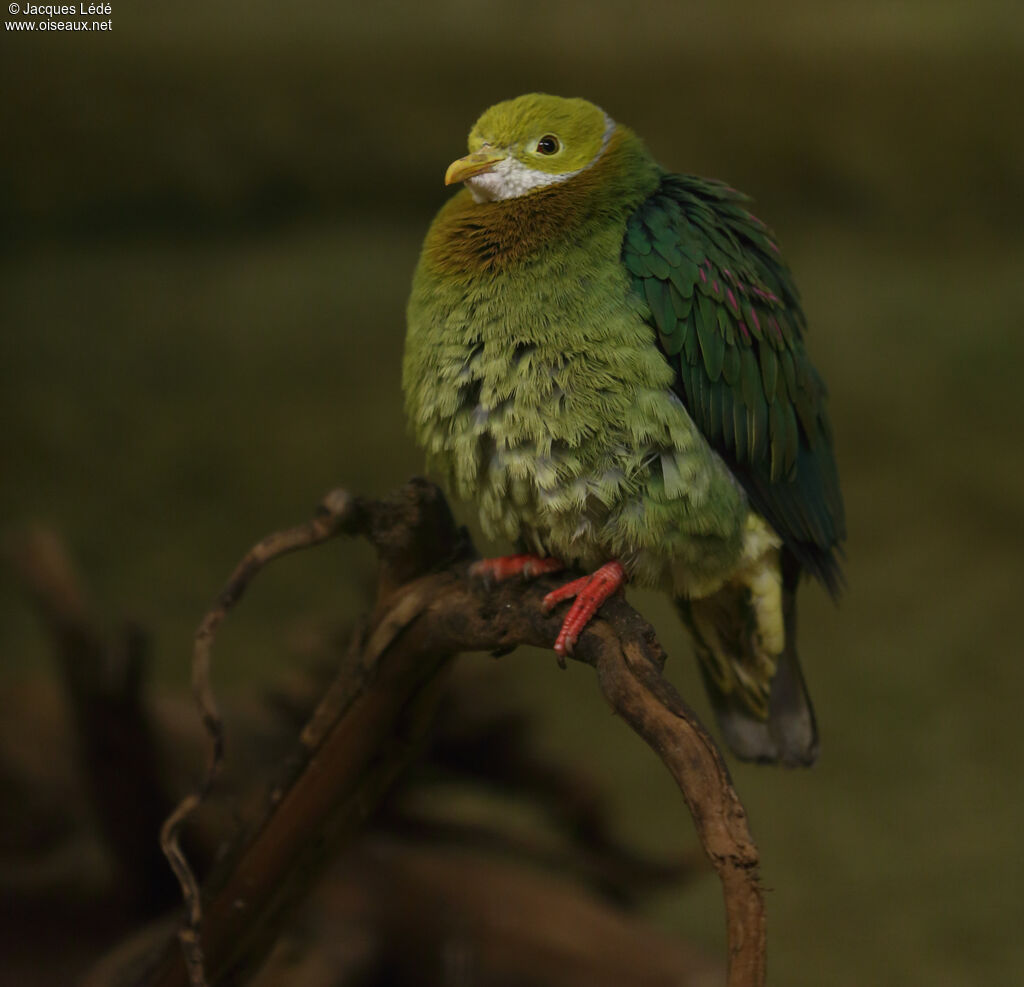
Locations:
column 210, row 219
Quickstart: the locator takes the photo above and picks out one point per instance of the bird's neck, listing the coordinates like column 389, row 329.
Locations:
column 475, row 237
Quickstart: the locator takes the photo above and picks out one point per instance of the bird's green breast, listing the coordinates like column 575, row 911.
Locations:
column 536, row 388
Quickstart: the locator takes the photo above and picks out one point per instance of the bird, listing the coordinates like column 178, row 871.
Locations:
column 608, row 359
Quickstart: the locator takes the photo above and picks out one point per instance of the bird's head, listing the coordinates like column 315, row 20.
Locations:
column 529, row 142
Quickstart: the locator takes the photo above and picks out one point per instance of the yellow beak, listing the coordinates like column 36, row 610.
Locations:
column 473, row 164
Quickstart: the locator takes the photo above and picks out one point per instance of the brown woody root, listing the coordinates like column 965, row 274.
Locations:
column 500, row 923
column 103, row 677
column 372, row 721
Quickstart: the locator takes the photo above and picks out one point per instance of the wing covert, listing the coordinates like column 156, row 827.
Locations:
column 727, row 316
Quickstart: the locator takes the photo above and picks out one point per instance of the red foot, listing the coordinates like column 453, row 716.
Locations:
column 507, row 566
column 590, row 592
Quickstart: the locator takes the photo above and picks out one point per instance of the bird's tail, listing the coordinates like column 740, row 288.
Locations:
column 760, row 699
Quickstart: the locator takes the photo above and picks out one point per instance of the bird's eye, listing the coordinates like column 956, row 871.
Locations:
column 548, row 144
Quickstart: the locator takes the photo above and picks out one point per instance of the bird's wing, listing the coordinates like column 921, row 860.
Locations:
column 727, row 316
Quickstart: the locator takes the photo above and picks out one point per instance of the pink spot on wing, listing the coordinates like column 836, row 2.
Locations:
column 743, row 330
column 703, row 276
column 732, row 300
column 754, row 319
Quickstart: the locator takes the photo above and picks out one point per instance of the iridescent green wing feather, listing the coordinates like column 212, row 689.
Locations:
column 727, row 317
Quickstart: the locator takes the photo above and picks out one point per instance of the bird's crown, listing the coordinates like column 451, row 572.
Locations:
column 522, row 124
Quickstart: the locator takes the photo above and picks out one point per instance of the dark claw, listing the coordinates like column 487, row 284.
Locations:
column 481, row 574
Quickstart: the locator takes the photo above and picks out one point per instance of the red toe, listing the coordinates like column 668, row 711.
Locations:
column 508, row 566
column 590, row 592
column 566, row 592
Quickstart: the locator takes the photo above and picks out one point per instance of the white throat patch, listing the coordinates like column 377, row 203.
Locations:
column 510, row 178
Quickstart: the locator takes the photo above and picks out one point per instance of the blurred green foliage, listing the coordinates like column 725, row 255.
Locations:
column 211, row 216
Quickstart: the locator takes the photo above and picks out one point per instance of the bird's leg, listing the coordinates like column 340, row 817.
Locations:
column 508, row 566
column 590, row 592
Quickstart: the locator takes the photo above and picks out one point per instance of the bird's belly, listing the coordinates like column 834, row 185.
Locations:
column 636, row 484
column 553, row 410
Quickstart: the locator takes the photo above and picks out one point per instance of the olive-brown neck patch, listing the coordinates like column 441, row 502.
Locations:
column 478, row 237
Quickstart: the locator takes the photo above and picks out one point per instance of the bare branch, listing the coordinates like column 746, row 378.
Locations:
column 335, row 511
column 372, row 720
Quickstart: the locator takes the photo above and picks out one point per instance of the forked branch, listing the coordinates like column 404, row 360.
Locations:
column 372, row 719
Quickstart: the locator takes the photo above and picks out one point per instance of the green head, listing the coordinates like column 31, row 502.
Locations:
column 529, row 142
